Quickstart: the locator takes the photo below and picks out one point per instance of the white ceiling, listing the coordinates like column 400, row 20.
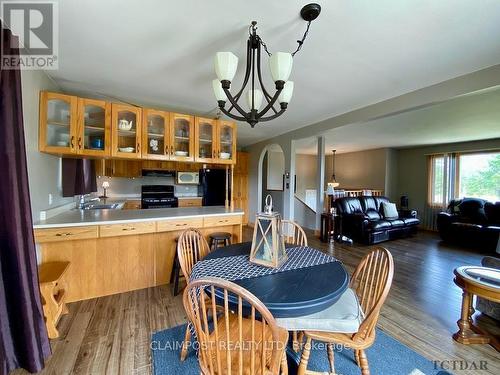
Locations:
column 160, row 53
column 467, row 118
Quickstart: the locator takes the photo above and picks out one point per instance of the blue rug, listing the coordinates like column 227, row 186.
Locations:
column 386, row 357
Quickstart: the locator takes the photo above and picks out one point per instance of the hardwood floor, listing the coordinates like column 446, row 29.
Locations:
column 111, row 335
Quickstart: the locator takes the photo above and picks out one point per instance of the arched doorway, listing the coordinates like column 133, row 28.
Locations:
column 271, row 171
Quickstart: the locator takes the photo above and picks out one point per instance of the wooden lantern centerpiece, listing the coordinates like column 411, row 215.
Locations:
column 268, row 244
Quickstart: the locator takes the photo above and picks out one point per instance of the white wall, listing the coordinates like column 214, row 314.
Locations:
column 44, row 171
column 306, row 168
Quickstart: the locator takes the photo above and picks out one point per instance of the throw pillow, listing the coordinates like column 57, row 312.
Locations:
column 390, row 210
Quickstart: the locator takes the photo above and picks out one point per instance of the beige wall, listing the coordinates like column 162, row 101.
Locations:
column 44, row 171
column 306, row 167
column 355, row 170
column 412, row 167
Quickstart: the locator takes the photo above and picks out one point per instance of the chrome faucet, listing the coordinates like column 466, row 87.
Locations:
column 81, row 203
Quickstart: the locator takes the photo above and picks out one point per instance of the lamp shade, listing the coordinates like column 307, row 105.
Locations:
column 258, row 96
column 330, row 189
column 219, row 91
column 226, row 64
column 280, row 64
column 286, row 93
column 333, row 184
column 105, row 184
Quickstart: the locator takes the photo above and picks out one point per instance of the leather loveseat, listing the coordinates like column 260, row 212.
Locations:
column 362, row 219
column 471, row 222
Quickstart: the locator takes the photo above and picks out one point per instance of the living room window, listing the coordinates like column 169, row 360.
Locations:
column 479, row 175
column 454, row 175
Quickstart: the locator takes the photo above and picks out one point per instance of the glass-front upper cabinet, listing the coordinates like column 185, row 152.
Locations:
column 182, row 137
column 156, row 135
column 205, row 139
column 94, row 129
column 126, row 131
column 226, row 141
column 58, row 123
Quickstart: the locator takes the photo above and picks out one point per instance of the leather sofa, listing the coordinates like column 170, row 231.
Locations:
column 362, row 219
column 471, row 222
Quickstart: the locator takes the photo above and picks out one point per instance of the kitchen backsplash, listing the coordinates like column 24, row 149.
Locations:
column 130, row 187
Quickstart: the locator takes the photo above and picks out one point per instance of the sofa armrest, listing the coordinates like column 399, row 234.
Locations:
column 354, row 224
column 406, row 214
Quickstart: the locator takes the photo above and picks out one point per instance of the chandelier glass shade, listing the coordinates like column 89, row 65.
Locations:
column 257, row 96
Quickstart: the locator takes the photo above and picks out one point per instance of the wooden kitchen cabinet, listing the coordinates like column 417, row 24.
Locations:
column 205, row 140
column 190, row 202
column 240, row 185
column 182, row 137
column 156, row 135
column 73, row 126
column 58, row 123
column 118, row 168
column 94, row 128
column 126, row 122
column 226, row 142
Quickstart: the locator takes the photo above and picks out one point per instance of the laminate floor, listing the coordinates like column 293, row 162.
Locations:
column 111, row 335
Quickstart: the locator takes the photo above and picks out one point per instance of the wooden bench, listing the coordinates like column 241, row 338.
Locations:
column 53, row 294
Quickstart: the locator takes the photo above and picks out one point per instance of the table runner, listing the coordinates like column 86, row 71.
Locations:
column 239, row 267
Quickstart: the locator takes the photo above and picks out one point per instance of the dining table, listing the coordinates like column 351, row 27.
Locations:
column 309, row 280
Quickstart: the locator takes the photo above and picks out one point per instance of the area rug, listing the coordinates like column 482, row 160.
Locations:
column 386, row 357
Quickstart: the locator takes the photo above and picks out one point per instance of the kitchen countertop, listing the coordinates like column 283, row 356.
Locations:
column 75, row 218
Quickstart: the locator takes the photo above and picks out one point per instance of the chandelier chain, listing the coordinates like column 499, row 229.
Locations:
column 265, row 47
column 301, row 42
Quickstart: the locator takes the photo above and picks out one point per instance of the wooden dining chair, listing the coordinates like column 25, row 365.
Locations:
column 243, row 338
column 191, row 247
column 371, row 282
column 293, row 233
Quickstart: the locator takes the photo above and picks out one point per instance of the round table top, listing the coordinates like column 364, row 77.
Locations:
column 481, row 277
column 295, row 292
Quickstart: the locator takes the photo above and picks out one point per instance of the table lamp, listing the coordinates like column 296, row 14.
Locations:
column 105, row 186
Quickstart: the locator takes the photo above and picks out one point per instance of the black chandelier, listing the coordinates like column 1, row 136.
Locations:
column 280, row 64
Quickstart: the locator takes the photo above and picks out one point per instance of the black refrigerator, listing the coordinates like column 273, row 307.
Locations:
column 213, row 186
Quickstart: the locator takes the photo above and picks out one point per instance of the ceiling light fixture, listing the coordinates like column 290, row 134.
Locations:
column 333, row 183
column 280, row 64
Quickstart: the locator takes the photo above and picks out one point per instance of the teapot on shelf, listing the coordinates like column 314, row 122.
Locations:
column 125, row 125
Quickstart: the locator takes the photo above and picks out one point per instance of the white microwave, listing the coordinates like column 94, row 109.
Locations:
column 188, row 178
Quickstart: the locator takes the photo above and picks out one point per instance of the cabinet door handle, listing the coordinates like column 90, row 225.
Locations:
column 72, row 141
column 172, row 149
column 166, row 149
column 213, row 154
column 63, row 234
column 132, row 228
column 138, row 147
column 80, row 143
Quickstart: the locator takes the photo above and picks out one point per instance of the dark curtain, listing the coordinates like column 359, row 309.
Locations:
column 23, row 337
column 78, row 177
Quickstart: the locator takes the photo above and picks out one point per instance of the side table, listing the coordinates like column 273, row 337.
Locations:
column 327, row 227
column 479, row 281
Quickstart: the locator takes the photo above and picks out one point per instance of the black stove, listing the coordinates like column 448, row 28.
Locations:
column 158, row 196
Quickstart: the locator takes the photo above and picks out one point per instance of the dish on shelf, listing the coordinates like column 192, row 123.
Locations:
column 224, row 155
column 181, row 153
column 62, row 143
column 126, row 149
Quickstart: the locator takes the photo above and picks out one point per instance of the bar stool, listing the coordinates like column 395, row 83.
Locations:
column 175, row 275
column 217, row 238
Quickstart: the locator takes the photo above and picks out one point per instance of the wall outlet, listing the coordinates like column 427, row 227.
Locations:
column 50, row 199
